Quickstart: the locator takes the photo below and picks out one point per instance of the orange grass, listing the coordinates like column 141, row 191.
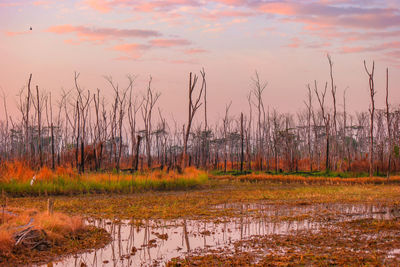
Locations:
column 15, row 170
column 20, row 172
column 57, row 226
column 309, row 180
column 6, row 242
column 15, row 179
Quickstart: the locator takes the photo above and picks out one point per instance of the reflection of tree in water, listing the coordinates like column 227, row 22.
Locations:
column 159, row 241
column 186, row 236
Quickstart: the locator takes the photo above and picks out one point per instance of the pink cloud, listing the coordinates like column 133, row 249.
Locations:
column 102, row 6
column 214, row 15
column 10, row 4
column 279, row 8
column 195, row 51
column 295, row 42
column 40, row 3
column 169, row 42
column 105, row 6
column 11, row 34
column 372, row 48
column 231, row 2
column 101, row 34
column 130, row 50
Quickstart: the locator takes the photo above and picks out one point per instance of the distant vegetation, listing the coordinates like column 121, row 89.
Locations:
column 83, row 131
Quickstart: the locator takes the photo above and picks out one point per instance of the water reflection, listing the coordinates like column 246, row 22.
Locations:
column 154, row 242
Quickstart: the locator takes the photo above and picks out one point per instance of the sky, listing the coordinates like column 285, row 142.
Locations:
column 285, row 41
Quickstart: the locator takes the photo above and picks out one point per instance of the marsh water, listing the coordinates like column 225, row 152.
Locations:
column 155, row 242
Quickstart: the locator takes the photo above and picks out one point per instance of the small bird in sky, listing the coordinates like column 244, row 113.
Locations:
column 30, row 28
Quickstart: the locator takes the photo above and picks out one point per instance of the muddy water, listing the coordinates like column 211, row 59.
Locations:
column 154, row 242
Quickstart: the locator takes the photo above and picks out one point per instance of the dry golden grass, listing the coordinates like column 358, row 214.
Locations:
column 57, row 226
column 58, row 223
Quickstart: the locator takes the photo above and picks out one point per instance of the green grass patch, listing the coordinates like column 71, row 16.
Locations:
column 61, row 185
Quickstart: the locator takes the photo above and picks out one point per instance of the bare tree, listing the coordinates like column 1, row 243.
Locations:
column 309, row 114
column 39, row 108
column 6, row 133
column 249, row 130
column 258, row 89
column 82, row 103
column 241, row 142
column 205, row 133
column 326, row 118
column 149, row 101
column 388, row 122
column 193, row 107
column 133, row 108
column 333, row 92
column 120, row 103
column 53, row 163
column 226, row 122
column 372, row 114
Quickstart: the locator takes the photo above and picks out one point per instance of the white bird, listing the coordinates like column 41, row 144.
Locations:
column 33, row 179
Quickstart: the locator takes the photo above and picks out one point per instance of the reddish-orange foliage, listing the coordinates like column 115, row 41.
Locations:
column 6, row 242
column 21, row 172
column 310, row 180
column 16, row 170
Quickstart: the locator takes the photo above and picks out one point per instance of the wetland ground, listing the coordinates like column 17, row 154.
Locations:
column 230, row 222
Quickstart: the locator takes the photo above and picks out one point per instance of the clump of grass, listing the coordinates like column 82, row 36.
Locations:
column 58, row 233
column 58, row 227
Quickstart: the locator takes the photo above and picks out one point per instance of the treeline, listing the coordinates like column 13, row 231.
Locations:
column 83, row 130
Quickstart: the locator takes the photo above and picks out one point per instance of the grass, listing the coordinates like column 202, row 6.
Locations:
column 57, row 225
column 325, row 174
column 15, row 182
column 198, row 204
column 65, row 234
column 288, row 178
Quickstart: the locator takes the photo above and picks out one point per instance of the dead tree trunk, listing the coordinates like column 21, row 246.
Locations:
column 28, row 101
column 326, row 118
column 139, row 138
column 38, row 107
column 53, row 163
column 149, row 101
column 193, row 106
column 309, row 112
column 388, row 122
column 333, row 91
column 241, row 143
column 205, row 136
column 372, row 114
